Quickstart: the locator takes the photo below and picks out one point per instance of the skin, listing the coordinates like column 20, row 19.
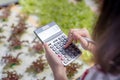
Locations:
column 76, row 35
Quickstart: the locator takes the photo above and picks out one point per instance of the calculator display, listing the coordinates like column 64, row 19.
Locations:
column 49, row 32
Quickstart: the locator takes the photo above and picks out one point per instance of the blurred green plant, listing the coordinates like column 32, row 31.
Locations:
column 65, row 14
column 87, row 57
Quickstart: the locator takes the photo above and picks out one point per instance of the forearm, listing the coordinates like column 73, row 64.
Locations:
column 60, row 74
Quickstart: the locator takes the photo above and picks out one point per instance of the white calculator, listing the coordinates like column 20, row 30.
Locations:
column 56, row 39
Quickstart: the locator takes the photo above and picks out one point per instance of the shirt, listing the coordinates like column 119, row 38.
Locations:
column 95, row 74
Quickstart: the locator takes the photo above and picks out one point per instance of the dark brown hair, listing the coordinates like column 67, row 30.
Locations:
column 107, row 36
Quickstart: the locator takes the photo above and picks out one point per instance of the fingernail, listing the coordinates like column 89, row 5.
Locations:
column 59, row 55
column 64, row 46
column 62, row 58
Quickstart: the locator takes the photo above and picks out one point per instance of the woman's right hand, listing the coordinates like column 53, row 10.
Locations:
column 79, row 35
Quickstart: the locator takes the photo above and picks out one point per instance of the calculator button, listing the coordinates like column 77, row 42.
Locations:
column 58, row 47
column 70, row 48
column 65, row 61
column 71, row 55
column 67, row 51
column 57, row 52
column 75, row 54
column 68, row 58
column 65, row 56
column 61, row 44
column 72, row 51
column 55, row 40
column 64, row 42
column 55, row 44
column 54, row 49
column 63, row 36
column 58, row 42
column 63, row 52
column 62, row 39
column 78, row 51
column 72, row 45
column 51, row 46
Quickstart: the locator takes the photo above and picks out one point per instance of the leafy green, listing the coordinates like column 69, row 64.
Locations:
column 65, row 14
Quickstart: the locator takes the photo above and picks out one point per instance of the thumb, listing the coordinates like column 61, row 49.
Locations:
column 48, row 50
column 45, row 45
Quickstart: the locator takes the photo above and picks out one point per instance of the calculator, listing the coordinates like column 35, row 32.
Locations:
column 56, row 39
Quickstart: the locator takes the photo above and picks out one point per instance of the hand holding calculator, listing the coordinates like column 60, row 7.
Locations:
column 56, row 39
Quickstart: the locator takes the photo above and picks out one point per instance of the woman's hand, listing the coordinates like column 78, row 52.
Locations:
column 55, row 63
column 79, row 35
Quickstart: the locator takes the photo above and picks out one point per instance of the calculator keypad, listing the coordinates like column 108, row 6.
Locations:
column 68, row 53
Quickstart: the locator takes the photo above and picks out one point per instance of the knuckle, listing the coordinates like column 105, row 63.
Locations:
column 85, row 30
column 74, row 33
column 72, row 30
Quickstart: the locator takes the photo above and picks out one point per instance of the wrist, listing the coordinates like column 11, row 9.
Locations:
column 60, row 73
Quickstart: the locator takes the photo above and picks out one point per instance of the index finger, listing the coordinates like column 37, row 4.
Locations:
column 70, row 39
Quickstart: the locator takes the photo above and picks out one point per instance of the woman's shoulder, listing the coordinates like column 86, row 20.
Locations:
column 94, row 73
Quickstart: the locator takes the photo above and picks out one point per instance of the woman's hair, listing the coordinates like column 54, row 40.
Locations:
column 107, row 36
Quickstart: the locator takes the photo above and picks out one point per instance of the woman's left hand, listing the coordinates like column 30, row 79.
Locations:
column 55, row 63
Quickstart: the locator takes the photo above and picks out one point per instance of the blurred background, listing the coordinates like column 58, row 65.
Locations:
column 36, row 13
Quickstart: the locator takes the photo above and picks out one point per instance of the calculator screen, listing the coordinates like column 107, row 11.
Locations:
column 49, row 32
